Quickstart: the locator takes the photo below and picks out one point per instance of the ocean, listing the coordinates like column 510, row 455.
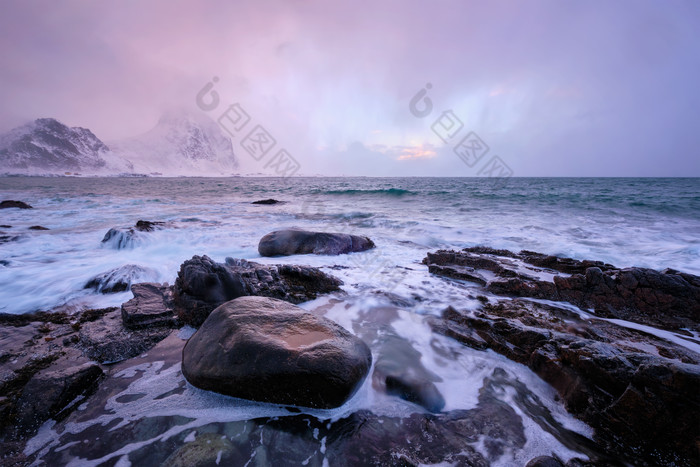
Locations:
column 627, row 222
column 623, row 221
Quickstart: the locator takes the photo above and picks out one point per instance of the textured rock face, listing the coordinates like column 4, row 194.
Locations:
column 669, row 299
column 638, row 391
column 152, row 306
column 203, row 284
column 269, row 350
column 301, row 242
column 48, row 392
column 106, row 340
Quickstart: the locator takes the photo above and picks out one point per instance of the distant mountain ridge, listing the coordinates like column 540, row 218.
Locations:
column 50, row 145
column 181, row 143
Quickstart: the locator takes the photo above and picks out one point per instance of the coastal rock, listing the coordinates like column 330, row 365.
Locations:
column 203, row 284
column 272, row 351
column 107, row 340
column 120, row 279
column 301, row 242
column 668, row 299
column 268, row 201
column 41, row 372
column 49, row 392
column 127, row 237
column 152, row 306
column 8, row 203
column 639, row 392
column 38, row 227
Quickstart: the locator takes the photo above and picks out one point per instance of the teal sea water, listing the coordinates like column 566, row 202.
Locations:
column 624, row 221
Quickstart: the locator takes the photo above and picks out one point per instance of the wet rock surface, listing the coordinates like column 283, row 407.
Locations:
column 269, row 350
column 637, row 390
column 120, row 238
column 8, row 203
column 119, row 279
column 301, row 242
column 399, row 372
column 152, row 306
column 202, row 284
column 668, row 299
column 108, row 340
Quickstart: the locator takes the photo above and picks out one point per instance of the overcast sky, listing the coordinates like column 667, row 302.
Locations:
column 554, row 88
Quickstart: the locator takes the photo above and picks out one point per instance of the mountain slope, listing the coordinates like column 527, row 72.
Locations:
column 48, row 146
column 181, row 143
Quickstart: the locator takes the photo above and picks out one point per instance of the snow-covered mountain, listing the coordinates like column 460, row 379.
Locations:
column 48, row 146
column 181, row 143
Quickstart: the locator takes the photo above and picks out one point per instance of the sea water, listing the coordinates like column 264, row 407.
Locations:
column 626, row 222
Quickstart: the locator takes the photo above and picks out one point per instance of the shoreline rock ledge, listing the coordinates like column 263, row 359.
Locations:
column 268, row 350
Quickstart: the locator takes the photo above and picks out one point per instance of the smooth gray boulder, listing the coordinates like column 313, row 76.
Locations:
column 268, row 350
column 301, row 242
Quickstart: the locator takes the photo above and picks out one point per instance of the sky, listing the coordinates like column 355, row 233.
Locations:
column 549, row 87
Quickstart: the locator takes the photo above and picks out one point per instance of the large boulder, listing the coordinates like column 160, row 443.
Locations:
column 269, row 350
column 203, row 284
column 302, row 242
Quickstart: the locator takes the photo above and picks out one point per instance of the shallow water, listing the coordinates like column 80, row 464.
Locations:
column 148, row 411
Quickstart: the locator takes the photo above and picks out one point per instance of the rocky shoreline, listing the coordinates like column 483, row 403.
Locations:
column 620, row 347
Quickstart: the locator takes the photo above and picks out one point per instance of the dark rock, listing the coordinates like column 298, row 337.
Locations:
column 203, row 284
column 106, row 340
column 667, row 299
column 151, row 306
column 50, row 391
column 148, row 226
column 5, row 226
column 14, row 204
column 267, row 201
column 272, row 351
column 301, row 242
column 120, row 279
column 37, row 227
column 121, row 238
column 8, row 238
column 544, row 461
column 641, row 402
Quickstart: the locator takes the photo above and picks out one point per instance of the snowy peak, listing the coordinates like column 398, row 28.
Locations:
column 182, row 143
column 48, row 145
